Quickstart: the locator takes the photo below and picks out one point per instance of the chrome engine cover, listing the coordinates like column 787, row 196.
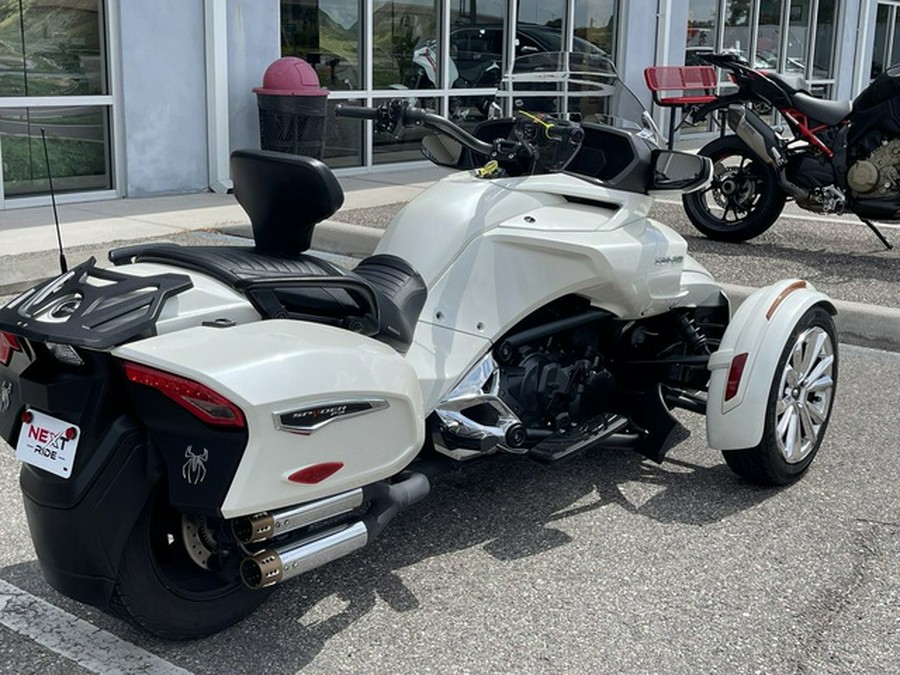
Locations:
column 473, row 420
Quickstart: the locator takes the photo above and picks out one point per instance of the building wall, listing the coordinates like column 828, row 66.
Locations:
column 164, row 88
column 253, row 43
column 163, row 96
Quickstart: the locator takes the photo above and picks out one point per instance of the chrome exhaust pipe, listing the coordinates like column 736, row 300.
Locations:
column 261, row 527
column 274, row 565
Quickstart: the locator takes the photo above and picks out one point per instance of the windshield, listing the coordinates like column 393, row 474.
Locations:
column 582, row 87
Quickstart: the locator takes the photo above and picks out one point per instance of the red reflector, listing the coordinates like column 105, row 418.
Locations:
column 9, row 343
column 198, row 399
column 315, row 473
column 734, row 375
column 27, row 417
column 71, row 433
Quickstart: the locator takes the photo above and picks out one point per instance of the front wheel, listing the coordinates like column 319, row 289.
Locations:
column 167, row 582
column 799, row 405
column 744, row 198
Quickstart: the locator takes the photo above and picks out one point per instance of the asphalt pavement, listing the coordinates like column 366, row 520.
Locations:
column 606, row 563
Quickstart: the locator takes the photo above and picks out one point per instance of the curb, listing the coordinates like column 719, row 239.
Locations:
column 857, row 323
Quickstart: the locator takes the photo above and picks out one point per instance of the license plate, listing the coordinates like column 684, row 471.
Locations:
column 48, row 443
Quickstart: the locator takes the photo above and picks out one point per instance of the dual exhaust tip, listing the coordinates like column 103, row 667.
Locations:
column 277, row 564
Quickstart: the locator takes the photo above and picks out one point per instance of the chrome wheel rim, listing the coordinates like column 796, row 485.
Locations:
column 805, row 393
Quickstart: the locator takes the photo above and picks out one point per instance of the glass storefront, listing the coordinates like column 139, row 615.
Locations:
column 449, row 55
column 328, row 35
column 886, row 48
column 53, row 75
column 368, row 51
column 795, row 37
column 77, row 149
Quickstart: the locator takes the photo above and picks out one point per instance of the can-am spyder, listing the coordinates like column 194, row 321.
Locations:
column 200, row 424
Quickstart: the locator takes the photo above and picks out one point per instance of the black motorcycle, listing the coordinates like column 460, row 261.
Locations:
column 832, row 157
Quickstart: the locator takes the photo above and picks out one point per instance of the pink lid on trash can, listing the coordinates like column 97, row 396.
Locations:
column 290, row 76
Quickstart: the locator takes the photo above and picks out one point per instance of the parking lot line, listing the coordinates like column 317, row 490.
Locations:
column 76, row 639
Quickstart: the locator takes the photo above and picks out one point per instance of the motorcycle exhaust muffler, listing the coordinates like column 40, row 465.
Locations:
column 758, row 135
column 263, row 526
column 763, row 141
column 274, row 565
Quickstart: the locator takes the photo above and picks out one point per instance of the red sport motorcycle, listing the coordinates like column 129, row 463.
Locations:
column 832, row 157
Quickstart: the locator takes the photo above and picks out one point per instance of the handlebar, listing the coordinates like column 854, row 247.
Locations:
column 516, row 156
column 356, row 112
column 389, row 117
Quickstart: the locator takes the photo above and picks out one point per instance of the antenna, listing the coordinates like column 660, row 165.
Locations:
column 63, row 266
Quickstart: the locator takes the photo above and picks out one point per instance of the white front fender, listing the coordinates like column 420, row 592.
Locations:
column 760, row 330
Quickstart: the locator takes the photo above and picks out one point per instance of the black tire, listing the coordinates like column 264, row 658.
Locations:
column 777, row 460
column 160, row 590
column 744, row 198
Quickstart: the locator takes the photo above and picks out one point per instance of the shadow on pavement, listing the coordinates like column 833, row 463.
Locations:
column 510, row 509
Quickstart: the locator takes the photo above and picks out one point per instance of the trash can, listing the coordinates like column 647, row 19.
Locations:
column 292, row 108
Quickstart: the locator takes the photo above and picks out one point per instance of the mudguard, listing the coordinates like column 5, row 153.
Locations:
column 760, row 329
column 339, row 409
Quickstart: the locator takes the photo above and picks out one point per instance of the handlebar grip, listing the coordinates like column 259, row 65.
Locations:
column 356, row 112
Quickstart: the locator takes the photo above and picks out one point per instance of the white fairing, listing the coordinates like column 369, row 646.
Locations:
column 762, row 334
column 493, row 251
column 272, row 367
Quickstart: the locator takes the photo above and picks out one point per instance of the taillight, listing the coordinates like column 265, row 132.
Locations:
column 734, row 375
column 9, row 343
column 198, row 399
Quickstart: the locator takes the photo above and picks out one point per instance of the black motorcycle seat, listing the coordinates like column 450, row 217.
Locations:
column 826, row 112
column 385, row 288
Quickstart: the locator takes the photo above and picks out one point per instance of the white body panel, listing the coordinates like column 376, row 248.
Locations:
column 493, row 251
column 739, row 422
column 272, row 367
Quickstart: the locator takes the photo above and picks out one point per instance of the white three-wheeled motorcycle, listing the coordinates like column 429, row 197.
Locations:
column 200, row 424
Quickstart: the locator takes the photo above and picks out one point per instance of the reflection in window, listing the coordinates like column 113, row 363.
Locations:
column 879, row 50
column 469, row 111
column 77, row 144
column 539, row 27
column 343, row 138
column 737, row 28
column 326, row 34
column 406, row 45
column 405, row 146
column 824, row 49
column 768, row 36
column 476, row 43
column 51, row 48
column 701, row 31
column 595, row 23
column 796, row 55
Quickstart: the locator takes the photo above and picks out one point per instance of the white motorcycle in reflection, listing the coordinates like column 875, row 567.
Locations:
column 208, row 422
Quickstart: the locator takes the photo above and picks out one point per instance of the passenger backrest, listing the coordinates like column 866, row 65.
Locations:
column 285, row 196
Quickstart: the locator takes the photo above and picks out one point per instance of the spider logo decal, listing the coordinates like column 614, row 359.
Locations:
column 5, row 396
column 194, row 469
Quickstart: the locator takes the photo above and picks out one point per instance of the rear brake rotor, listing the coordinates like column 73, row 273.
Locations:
column 199, row 540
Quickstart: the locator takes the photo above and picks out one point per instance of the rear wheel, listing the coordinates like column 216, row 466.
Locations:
column 166, row 583
column 799, row 405
column 744, row 198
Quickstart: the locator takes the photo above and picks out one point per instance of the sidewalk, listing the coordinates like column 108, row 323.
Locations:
column 28, row 237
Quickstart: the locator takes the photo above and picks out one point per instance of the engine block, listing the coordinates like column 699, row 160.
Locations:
column 879, row 174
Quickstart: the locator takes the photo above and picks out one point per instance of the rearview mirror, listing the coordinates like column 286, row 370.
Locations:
column 442, row 150
column 673, row 170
